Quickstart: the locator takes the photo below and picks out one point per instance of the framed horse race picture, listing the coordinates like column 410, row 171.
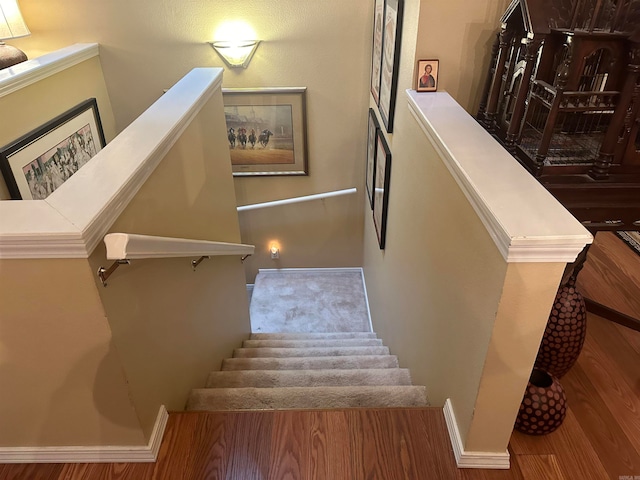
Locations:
column 266, row 130
column 40, row 162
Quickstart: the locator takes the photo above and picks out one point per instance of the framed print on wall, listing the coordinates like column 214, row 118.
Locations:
column 391, row 39
column 381, row 193
column 376, row 56
column 266, row 130
column 427, row 76
column 371, row 154
column 37, row 164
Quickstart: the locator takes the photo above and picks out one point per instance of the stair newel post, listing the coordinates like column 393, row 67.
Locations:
column 615, row 130
column 496, row 82
column 521, row 99
column 482, row 108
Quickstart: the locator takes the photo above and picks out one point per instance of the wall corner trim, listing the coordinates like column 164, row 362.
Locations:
column 464, row 459
column 91, row 454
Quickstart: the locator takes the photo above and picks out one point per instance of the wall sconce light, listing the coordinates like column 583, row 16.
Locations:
column 12, row 25
column 236, row 53
column 274, row 250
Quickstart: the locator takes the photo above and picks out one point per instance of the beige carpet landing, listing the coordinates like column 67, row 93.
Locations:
column 309, row 301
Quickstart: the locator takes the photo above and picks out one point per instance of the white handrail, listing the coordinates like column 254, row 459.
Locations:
column 131, row 246
column 306, row 198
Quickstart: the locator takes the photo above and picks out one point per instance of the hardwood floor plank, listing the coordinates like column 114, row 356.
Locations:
column 209, row 446
column 290, row 440
column 435, row 444
column 377, row 444
column 107, row 471
column 397, row 435
column 573, row 450
column 632, row 337
column 39, row 471
column 535, row 467
column 622, row 398
column 614, row 449
column 251, row 447
column 330, row 449
column 611, row 275
column 173, row 458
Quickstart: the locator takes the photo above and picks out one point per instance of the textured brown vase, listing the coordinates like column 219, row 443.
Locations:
column 565, row 333
column 543, row 407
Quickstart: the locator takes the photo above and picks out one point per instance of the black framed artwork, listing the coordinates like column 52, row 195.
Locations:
column 390, row 60
column 382, row 181
column 371, row 154
column 37, row 164
column 376, row 56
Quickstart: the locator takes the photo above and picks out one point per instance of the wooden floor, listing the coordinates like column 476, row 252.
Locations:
column 599, row 440
column 611, row 275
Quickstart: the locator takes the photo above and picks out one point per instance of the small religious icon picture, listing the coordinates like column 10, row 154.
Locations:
column 427, row 76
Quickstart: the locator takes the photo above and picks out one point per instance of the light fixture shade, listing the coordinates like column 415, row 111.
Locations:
column 236, row 53
column 12, row 24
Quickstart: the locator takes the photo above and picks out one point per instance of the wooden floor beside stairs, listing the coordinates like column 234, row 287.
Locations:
column 599, row 440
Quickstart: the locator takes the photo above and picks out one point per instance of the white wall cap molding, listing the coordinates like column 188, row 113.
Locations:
column 129, row 246
column 91, row 454
column 525, row 221
column 489, row 460
column 31, row 71
column 75, row 218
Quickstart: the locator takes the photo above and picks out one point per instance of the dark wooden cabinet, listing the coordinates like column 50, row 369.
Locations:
column 563, row 96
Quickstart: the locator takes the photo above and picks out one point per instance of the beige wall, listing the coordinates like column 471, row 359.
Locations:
column 81, row 364
column 466, row 323
column 172, row 326
column 435, row 288
column 460, row 34
column 528, row 293
column 62, row 381
column 36, row 104
column 324, row 46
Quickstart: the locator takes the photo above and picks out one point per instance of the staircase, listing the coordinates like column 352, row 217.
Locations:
column 308, row 371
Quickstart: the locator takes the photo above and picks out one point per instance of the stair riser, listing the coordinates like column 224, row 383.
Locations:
column 310, row 363
column 308, row 352
column 311, row 336
column 348, row 342
column 308, row 378
column 300, row 397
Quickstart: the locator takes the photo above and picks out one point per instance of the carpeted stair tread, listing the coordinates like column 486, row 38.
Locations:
column 312, row 336
column 308, row 378
column 346, row 342
column 306, row 397
column 311, row 363
column 308, row 352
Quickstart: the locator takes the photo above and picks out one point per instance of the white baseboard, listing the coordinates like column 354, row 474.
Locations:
column 366, row 299
column 303, row 270
column 489, row 460
column 91, row 454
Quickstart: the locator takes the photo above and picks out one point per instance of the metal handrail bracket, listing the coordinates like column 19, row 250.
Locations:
column 105, row 273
